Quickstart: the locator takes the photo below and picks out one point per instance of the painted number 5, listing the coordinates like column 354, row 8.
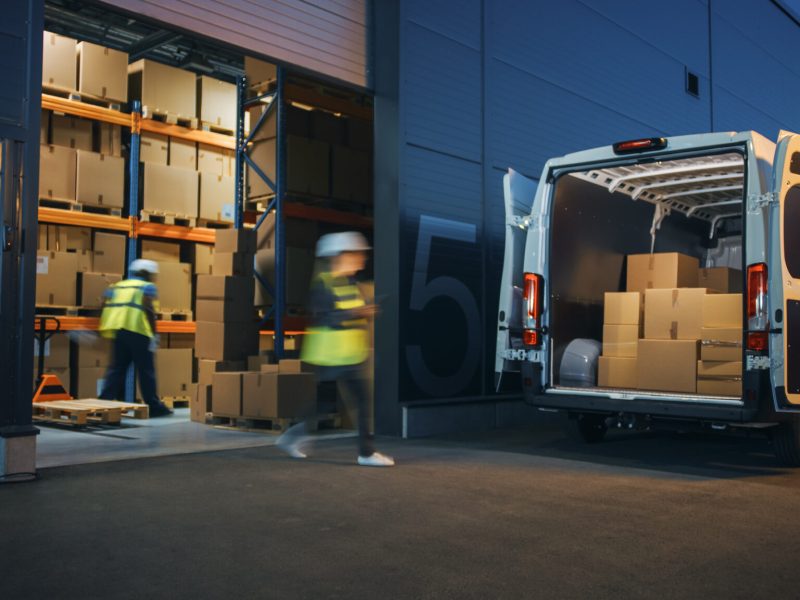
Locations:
column 423, row 291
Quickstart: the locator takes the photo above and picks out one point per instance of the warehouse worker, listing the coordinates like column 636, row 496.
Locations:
column 129, row 319
column 337, row 343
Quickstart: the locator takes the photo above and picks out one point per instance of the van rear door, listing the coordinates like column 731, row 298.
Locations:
column 786, row 261
column 519, row 193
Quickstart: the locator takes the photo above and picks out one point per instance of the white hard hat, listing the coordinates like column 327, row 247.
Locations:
column 333, row 244
column 142, row 264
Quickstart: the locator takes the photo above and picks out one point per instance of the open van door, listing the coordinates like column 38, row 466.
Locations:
column 519, row 193
column 785, row 263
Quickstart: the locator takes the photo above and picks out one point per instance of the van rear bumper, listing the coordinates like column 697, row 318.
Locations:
column 658, row 408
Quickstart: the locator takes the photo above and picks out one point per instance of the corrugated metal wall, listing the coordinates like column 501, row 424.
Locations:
column 326, row 36
column 490, row 84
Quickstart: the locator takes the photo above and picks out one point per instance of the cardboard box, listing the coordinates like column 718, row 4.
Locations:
column 721, row 279
column 225, row 299
column 57, row 170
column 182, row 153
column 41, row 239
column 206, row 369
column 97, row 354
column 307, row 166
column 85, row 260
column 89, row 382
column 162, row 89
column 621, row 341
column 174, row 284
column 673, row 314
column 719, row 378
column 92, row 288
column 161, row 251
column 259, row 72
column 269, row 367
column 254, row 363
column 352, row 175
column 722, row 311
column 77, row 238
column 227, row 395
column 179, row 340
column 174, row 372
column 154, row 148
column 102, row 72
column 233, row 263
column 56, row 352
column 110, row 139
column 201, row 403
column 100, row 179
column 217, row 196
column 622, row 308
column 203, row 259
column 661, row 270
column 224, row 311
column 299, row 270
column 216, row 102
column 71, row 132
column 44, row 128
column 616, row 372
column 109, row 253
column 359, row 134
column 278, row 395
column 262, row 152
column 222, row 341
column 216, row 161
column 667, row 366
column 327, row 127
column 294, row 365
column 268, row 128
column 170, row 189
column 58, row 61
column 57, row 238
column 56, row 278
column 235, row 240
column 721, row 344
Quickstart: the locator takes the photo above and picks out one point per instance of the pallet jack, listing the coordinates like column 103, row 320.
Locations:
column 48, row 387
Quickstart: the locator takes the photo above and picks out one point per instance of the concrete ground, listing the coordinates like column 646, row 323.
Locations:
column 505, row 514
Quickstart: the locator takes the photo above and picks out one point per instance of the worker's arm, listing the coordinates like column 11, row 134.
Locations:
column 149, row 310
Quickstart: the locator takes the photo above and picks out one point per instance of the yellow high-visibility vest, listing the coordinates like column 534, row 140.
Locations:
column 344, row 345
column 125, row 309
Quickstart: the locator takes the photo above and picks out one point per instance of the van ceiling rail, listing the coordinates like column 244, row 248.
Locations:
column 703, row 187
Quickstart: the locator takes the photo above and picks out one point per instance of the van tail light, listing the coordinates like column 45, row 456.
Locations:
column 757, row 309
column 532, row 295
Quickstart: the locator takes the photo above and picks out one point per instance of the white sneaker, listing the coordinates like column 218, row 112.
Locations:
column 292, row 442
column 376, row 459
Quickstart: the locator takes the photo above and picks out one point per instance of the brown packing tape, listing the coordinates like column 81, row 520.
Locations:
column 675, row 298
column 651, row 262
column 673, row 330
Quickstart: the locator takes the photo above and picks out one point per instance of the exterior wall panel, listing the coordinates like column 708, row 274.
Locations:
column 325, row 36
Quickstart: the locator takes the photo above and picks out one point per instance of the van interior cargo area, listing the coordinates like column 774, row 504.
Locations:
column 690, row 205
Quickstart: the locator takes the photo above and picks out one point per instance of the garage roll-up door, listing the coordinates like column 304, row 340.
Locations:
column 326, row 36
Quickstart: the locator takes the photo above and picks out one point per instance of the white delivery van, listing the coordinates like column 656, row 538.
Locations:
column 727, row 199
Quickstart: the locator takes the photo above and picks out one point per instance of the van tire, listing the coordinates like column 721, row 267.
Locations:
column 588, row 427
column 786, row 440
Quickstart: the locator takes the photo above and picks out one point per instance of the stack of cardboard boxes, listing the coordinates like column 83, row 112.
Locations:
column 661, row 352
column 234, row 380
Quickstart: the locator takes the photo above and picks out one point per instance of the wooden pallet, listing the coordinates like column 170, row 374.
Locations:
column 67, row 311
column 176, row 401
column 214, row 224
column 329, row 421
column 74, row 206
column 81, row 413
column 174, row 315
column 165, row 218
column 82, row 97
column 213, row 128
column 169, row 118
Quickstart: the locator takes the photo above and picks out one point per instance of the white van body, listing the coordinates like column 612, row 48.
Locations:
column 588, row 211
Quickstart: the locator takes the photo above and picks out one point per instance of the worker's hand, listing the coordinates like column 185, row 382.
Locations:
column 155, row 341
column 369, row 310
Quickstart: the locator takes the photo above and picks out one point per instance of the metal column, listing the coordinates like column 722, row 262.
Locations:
column 275, row 98
column 133, row 212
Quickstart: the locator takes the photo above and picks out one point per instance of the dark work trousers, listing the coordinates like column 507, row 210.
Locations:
column 130, row 348
column 354, row 389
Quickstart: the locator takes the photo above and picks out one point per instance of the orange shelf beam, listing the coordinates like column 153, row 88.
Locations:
column 93, row 323
column 193, row 135
column 87, row 111
column 60, row 216
column 328, row 215
column 176, row 232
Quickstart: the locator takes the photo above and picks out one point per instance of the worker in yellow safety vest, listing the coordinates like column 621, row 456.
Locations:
column 337, row 343
column 129, row 319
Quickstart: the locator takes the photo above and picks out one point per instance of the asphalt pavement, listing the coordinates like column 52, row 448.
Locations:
column 522, row 513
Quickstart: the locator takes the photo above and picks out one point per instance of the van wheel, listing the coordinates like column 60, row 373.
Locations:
column 589, row 428
column 786, row 440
